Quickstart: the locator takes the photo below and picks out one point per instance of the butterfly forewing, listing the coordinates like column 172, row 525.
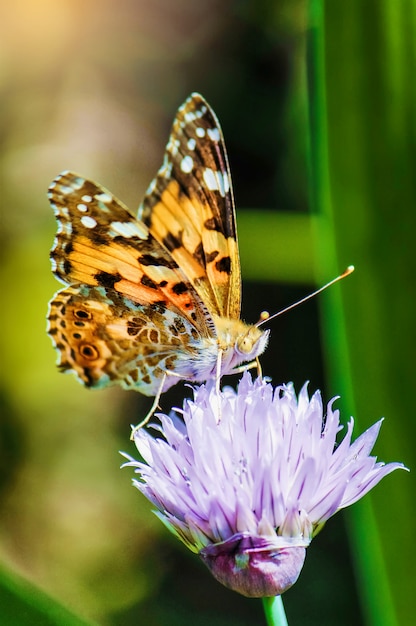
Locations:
column 189, row 207
column 99, row 243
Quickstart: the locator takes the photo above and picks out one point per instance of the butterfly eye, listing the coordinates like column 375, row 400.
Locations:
column 251, row 342
column 89, row 352
column 245, row 344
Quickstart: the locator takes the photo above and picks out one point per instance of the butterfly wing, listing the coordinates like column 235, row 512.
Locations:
column 130, row 314
column 189, row 208
column 100, row 244
column 105, row 338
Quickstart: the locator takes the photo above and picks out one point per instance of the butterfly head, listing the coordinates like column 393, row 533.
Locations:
column 252, row 342
column 239, row 342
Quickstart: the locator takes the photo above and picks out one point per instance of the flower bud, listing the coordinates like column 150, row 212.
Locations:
column 254, row 566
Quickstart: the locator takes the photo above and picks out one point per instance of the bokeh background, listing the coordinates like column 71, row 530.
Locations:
column 317, row 104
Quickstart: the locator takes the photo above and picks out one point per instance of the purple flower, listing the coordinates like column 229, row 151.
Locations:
column 248, row 477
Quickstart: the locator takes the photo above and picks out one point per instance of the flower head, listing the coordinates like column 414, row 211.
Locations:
column 248, row 477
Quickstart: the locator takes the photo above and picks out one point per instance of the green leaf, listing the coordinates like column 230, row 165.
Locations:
column 24, row 604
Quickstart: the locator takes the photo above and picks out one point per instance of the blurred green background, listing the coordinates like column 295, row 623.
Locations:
column 317, row 102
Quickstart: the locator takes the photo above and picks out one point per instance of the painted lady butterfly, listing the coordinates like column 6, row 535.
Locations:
column 154, row 299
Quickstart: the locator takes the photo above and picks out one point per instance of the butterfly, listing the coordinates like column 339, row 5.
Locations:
column 153, row 299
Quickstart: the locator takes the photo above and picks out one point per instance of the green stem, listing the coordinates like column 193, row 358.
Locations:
column 275, row 612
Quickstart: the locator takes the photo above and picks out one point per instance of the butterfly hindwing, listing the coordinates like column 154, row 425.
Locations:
column 105, row 338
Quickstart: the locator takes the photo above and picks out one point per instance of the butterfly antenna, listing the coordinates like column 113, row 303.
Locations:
column 266, row 317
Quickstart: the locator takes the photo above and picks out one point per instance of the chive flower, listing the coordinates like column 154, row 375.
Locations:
column 247, row 478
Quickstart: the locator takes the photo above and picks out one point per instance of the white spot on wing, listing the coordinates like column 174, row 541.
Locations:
column 200, row 132
column 214, row 134
column 191, row 144
column 129, row 229
column 86, row 198
column 210, row 180
column 173, row 146
column 103, row 197
column 88, row 222
column 168, row 169
column 63, row 212
column 190, row 116
column 82, row 207
column 226, row 182
column 187, row 164
column 165, row 170
column 65, row 189
column 216, row 181
column 151, row 187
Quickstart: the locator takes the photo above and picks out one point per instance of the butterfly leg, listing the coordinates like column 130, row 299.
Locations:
column 217, row 384
column 259, row 371
column 155, row 405
column 248, row 366
column 218, row 374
